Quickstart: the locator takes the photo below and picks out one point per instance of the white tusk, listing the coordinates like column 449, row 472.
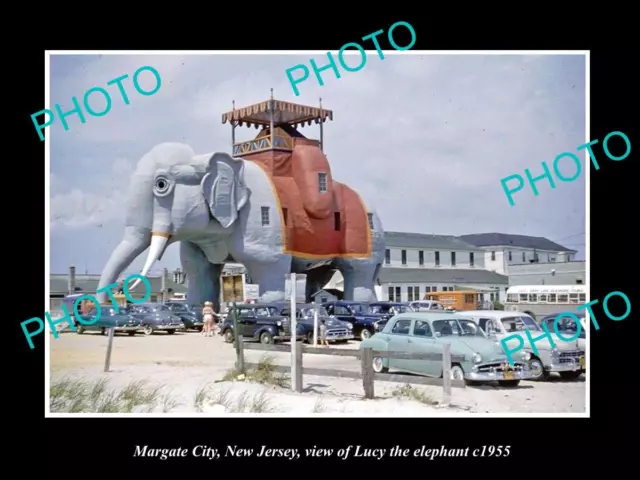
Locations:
column 155, row 250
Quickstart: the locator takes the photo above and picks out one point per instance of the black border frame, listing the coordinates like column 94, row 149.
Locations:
column 75, row 445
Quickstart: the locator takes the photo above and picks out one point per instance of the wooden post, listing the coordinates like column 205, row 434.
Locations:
column 294, row 336
column 315, row 326
column 446, row 374
column 107, row 360
column 321, row 125
column 298, row 361
column 271, row 121
column 237, row 340
column 366, row 363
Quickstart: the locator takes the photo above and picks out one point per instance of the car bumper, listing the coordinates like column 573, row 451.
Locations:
column 285, row 338
column 495, row 374
column 128, row 328
column 337, row 338
column 567, row 365
column 168, row 327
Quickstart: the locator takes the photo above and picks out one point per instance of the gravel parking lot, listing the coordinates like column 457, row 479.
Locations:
column 186, row 364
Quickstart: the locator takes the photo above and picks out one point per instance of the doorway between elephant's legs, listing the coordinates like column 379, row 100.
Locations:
column 203, row 276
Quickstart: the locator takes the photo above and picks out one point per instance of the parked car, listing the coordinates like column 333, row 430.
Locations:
column 388, row 310
column 567, row 358
column 259, row 322
column 426, row 305
column 109, row 318
column 191, row 315
column 156, row 317
column 567, row 326
column 337, row 330
column 428, row 332
column 359, row 314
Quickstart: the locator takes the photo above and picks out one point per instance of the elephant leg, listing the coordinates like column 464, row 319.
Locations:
column 359, row 278
column 270, row 277
column 204, row 277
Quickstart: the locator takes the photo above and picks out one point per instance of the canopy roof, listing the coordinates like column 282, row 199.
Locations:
column 284, row 113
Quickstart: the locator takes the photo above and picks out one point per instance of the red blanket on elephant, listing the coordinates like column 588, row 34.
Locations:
column 320, row 217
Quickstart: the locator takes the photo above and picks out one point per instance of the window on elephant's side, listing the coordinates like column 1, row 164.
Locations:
column 322, row 182
column 370, row 217
column 336, row 221
column 265, row 216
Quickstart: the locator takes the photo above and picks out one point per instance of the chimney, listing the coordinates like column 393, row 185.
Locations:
column 72, row 280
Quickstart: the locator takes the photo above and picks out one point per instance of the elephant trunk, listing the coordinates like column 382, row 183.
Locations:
column 133, row 244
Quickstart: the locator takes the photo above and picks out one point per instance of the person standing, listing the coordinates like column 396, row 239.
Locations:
column 207, row 319
column 323, row 334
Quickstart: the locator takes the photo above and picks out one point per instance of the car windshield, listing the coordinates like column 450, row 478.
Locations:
column 565, row 323
column 394, row 309
column 459, row 328
column 159, row 308
column 308, row 312
column 360, row 308
column 105, row 311
column 520, row 324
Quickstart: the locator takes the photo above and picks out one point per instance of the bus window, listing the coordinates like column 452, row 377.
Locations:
column 583, row 298
column 533, row 298
column 523, row 297
column 552, row 298
column 573, row 298
column 563, row 298
column 543, row 298
column 512, row 298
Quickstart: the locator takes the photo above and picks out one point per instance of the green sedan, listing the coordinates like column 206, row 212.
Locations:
column 427, row 332
column 109, row 318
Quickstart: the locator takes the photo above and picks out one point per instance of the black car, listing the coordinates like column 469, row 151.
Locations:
column 388, row 309
column 359, row 314
column 259, row 322
column 156, row 317
column 337, row 330
column 191, row 315
column 566, row 325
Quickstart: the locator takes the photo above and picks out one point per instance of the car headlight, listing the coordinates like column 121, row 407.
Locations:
column 279, row 323
column 555, row 352
column 376, row 325
column 349, row 326
column 526, row 356
column 477, row 358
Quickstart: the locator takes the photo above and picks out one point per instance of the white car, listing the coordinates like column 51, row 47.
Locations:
column 426, row 305
column 566, row 358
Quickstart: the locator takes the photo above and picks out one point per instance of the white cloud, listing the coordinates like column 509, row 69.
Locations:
column 426, row 138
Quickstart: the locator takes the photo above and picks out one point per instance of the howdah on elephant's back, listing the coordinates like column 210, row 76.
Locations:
column 320, row 217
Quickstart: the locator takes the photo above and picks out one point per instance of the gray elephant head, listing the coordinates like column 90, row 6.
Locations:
column 175, row 195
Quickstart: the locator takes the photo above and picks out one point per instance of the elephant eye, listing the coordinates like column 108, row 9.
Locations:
column 162, row 186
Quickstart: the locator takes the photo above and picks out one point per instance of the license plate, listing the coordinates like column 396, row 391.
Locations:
column 582, row 361
column 508, row 375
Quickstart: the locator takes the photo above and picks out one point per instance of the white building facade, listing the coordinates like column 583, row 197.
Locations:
column 416, row 264
column 501, row 250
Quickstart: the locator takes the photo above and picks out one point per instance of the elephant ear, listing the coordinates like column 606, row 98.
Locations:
column 224, row 188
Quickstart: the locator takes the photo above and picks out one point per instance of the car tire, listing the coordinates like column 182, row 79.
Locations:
column 364, row 334
column 170, row 332
column 198, row 329
column 148, row 330
column 457, row 373
column 131, row 334
column 508, row 383
column 266, row 338
column 570, row 375
column 310, row 338
column 536, row 365
column 79, row 329
column 378, row 365
column 228, row 335
column 103, row 331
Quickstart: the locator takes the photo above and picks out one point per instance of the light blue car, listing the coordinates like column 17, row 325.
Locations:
column 428, row 332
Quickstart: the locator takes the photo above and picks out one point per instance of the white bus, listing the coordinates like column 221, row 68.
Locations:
column 540, row 300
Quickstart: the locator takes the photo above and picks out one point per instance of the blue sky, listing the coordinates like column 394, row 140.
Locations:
column 426, row 138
